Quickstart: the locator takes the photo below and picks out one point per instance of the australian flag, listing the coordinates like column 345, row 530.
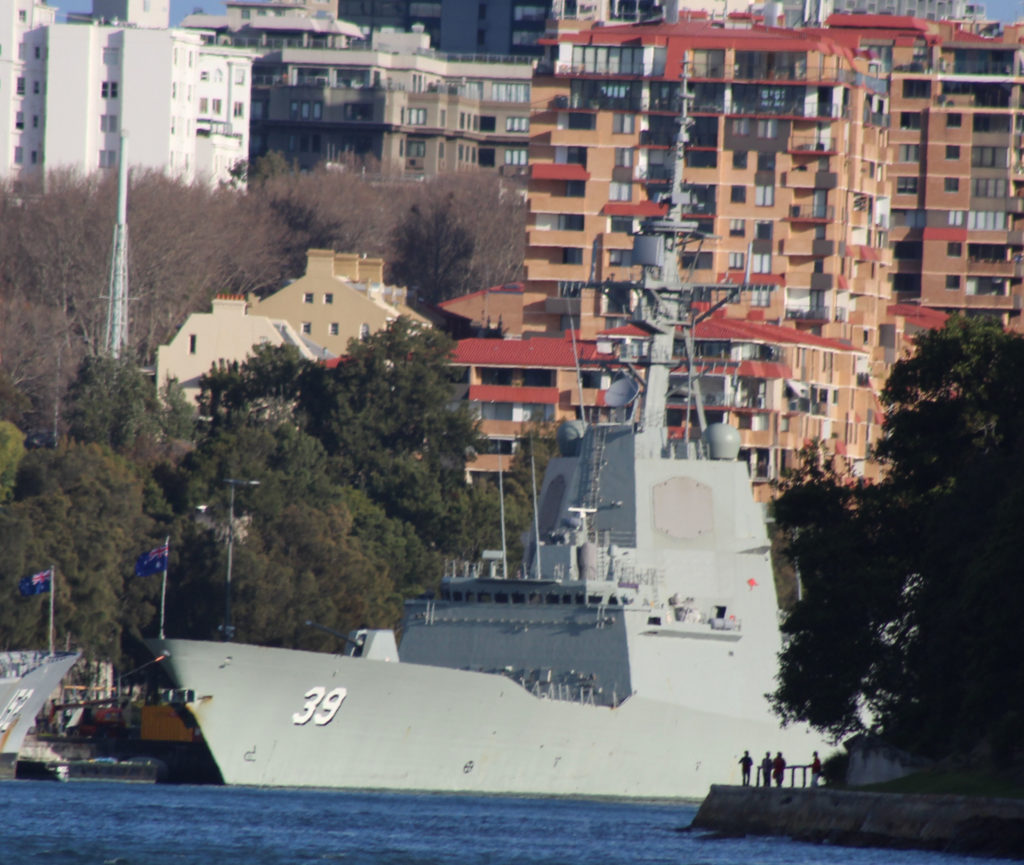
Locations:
column 37, row 584
column 152, row 562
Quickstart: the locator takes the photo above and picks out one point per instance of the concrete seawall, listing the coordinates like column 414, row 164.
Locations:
column 963, row 824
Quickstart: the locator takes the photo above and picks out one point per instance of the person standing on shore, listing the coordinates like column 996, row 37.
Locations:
column 766, row 769
column 815, row 770
column 746, row 761
column 778, row 769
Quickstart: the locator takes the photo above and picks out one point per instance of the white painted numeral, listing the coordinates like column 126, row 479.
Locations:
column 13, row 708
column 328, row 703
column 313, row 697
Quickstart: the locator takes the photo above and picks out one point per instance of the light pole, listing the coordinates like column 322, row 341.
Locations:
column 229, row 629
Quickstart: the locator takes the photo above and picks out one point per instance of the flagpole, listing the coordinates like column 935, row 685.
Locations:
column 53, row 591
column 163, row 587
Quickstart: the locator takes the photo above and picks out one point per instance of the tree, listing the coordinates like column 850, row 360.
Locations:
column 911, row 585
column 433, row 250
column 112, row 403
column 12, row 451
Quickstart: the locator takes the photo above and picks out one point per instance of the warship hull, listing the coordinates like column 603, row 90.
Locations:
column 27, row 679
column 403, row 726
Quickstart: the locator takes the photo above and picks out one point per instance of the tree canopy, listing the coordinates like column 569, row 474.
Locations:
column 911, row 587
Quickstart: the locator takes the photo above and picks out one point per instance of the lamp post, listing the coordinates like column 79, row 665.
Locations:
column 229, row 629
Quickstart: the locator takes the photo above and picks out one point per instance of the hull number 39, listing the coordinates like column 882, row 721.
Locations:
column 321, row 706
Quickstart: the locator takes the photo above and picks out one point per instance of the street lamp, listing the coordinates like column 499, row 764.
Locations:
column 229, row 629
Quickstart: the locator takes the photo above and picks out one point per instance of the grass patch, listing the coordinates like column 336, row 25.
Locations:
column 966, row 783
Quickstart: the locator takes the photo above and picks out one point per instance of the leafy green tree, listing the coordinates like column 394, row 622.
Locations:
column 12, row 450
column 111, row 402
column 79, row 508
column 385, row 413
column 911, row 585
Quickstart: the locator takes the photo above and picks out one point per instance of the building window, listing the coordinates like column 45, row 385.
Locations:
column 620, row 257
column 416, row 116
column 18, row 156
column 910, row 120
column 570, row 222
column 952, row 151
column 19, row 120
column 765, row 161
column 623, row 124
column 768, row 128
column 954, row 249
column 517, row 124
column 952, row 281
column 239, row 109
column 762, row 230
column 307, row 327
column 956, row 217
column 364, row 331
column 909, row 153
column 737, row 261
column 951, row 184
column 328, row 298
column 621, row 224
column 738, row 194
column 954, row 121
column 204, row 105
column 620, row 191
column 307, row 297
column 761, row 262
column 623, row 157
column 217, row 107
column 515, row 156
column 989, row 157
column 191, row 343
column 501, row 92
column 108, row 158
column 20, row 87
column 108, row 123
column 906, row 185
column 416, row 149
column 575, row 188
column 572, row 255
column 108, row 90
column 333, row 328
column 739, row 159
column 764, row 196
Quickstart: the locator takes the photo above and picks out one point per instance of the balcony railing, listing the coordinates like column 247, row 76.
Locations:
column 811, row 211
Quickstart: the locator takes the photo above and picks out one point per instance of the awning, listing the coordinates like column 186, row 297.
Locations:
column 639, row 208
column 944, row 233
column 558, row 171
column 763, row 369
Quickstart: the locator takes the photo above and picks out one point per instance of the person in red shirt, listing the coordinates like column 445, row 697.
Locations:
column 815, row 770
column 778, row 769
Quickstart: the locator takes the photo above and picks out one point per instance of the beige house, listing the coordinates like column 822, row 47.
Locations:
column 227, row 333
column 341, row 297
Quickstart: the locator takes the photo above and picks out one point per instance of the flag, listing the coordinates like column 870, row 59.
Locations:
column 37, row 584
column 152, row 562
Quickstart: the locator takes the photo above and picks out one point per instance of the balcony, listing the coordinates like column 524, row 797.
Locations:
column 808, row 246
column 811, row 144
column 810, row 179
column 984, row 267
column 808, row 313
column 811, row 213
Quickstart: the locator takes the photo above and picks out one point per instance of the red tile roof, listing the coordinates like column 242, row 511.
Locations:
column 625, row 330
column 764, row 369
column 511, row 393
column 922, row 316
column 507, row 288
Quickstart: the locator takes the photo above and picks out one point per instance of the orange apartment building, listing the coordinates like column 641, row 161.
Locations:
column 956, row 172
column 786, row 180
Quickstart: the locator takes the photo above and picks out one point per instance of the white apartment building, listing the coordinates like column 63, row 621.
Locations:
column 223, row 110
column 144, row 82
column 68, row 90
column 23, row 26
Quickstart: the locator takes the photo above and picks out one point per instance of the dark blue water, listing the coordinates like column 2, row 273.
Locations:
column 122, row 824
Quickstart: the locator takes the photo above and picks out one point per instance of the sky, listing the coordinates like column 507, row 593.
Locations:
column 1001, row 10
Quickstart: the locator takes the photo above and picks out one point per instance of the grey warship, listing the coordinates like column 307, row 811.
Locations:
column 630, row 658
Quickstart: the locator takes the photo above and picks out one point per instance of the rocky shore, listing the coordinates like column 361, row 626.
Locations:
column 953, row 824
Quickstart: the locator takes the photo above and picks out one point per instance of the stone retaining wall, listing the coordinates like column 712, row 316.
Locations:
column 962, row 824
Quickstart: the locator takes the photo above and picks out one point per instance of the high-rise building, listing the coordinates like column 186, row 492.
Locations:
column 784, row 193
column 956, row 165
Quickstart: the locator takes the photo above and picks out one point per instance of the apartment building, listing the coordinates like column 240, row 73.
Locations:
column 784, row 191
column 956, row 170
column 23, row 25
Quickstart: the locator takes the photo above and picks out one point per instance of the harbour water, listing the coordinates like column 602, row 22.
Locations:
column 100, row 823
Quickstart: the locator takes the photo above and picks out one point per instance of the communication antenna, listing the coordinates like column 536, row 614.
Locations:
column 117, row 289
